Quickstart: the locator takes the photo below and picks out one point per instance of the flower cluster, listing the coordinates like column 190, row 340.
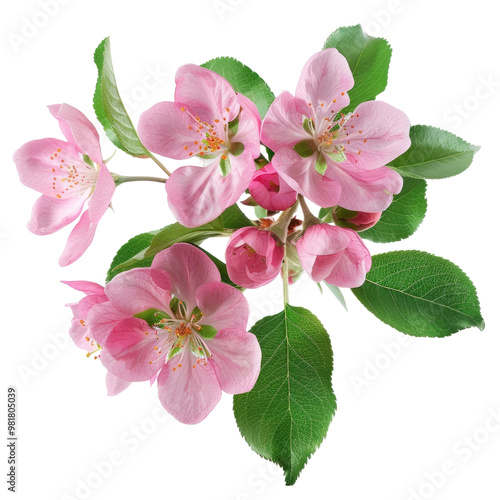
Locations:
column 176, row 323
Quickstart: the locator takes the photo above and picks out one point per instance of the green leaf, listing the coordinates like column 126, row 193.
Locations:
column 434, row 154
column 420, row 294
column 260, row 212
column 132, row 254
column 403, row 217
column 325, row 214
column 337, row 292
column 243, row 80
column 234, row 218
column 109, row 107
column 285, row 417
column 368, row 59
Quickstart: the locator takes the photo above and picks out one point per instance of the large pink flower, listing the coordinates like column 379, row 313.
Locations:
column 196, row 340
column 335, row 255
column 210, row 120
column 57, row 169
column 329, row 159
column 82, row 334
column 253, row 257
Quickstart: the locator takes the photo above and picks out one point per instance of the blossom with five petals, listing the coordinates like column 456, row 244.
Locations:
column 59, row 170
column 210, row 120
column 331, row 158
column 195, row 340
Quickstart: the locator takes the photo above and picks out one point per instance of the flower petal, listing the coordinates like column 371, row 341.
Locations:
column 135, row 291
column 131, row 352
column 208, row 95
column 222, row 305
column 188, row 267
column 374, row 135
column 102, row 318
column 115, row 385
column 237, row 356
column 197, row 195
column 301, row 175
column 100, row 200
column 79, row 240
column 191, row 392
column 167, row 130
column 51, row 214
column 248, row 126
column 326, row 77
column 282, row 125
column 364, row 190
column 78, row 130
column 87, row 287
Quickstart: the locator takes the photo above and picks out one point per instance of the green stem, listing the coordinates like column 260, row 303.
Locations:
column 121, row 179
column 309, row 218
column 160, row 164
column 285, row 279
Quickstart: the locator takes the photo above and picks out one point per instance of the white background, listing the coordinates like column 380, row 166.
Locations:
column 393, row 431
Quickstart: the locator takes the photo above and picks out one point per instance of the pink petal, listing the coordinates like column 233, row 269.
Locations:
column 51, row 214
column 131, row 353
column 197, row 195
column 237, row 356
column 100, row 200
column 79, row 240
column 248, row 126
column 222, row 305
column 377, row 130
column 190, row 392
column 135, row 291
column 364, row 190
column 115, row 385
column 40, row 168
column 167, row 130
column 207, row 94
column 102, row 318
column 301, row 175
column 282, row 125
column 326, row 77
column 78, row 130
column 189, row 268
column 87, row 287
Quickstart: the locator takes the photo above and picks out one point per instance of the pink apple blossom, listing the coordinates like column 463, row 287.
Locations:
column 196, row 343
column 80, row 332
column 211, row 121
column 57, row 169
column 270, row 191
column 358, row 221
column 335, row 255
column 329, row 159
column 253, row 257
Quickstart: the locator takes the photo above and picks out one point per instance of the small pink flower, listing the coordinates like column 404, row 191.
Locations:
column 57, row 170
column 80, row 332
column 253, row 258
column 331, row 160
column 335, row 255
column 211, row 121
column 199, row 344
column 270, row 191
column 357, row 221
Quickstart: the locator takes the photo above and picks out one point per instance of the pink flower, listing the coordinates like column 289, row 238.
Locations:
column 57, row 169
column 80, row 332
column 357, row 221
column 210, row 120
column 253, row 258
column 270, row 191
column 332, row 160
column 335, row 255
column 197, row 343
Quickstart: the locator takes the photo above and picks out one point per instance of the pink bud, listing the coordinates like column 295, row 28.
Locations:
column 253, row 258
column 358, row 221
column 335, row 255
column 270, row 191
